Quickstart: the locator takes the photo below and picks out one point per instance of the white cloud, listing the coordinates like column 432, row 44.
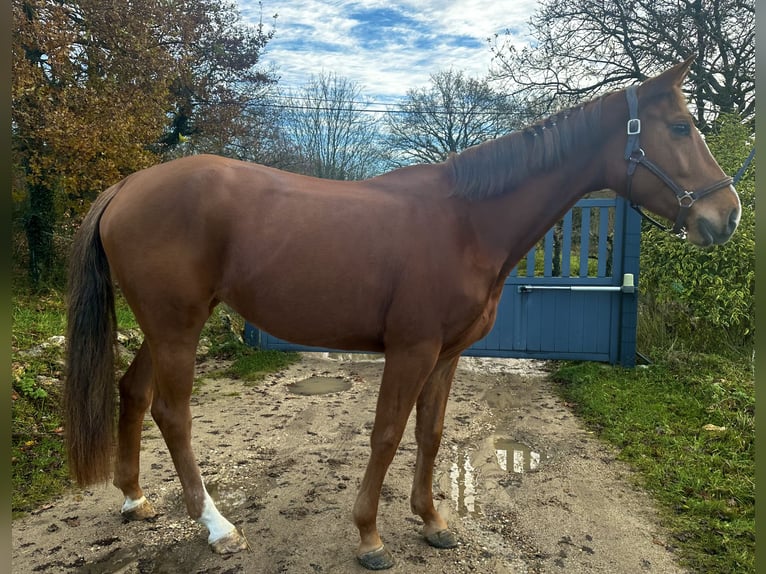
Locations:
column 387, row 47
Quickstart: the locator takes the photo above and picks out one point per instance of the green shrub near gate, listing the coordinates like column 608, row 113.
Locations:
column 704, row 297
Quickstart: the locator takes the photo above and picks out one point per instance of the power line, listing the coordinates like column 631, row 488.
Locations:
column 330, row 107
column 335, row 105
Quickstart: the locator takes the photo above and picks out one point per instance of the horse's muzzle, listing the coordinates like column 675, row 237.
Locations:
column 712, row 234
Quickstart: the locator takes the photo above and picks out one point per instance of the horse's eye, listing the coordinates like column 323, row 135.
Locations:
column 681, row 129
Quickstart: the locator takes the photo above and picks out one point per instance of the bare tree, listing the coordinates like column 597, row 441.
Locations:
column 585, row 47
column 215, row 75
column 455, row 112
column 328, row 129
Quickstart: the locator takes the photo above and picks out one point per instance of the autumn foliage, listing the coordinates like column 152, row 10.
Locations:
column 104, row 88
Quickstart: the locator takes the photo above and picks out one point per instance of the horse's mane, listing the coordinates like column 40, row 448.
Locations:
column 497, row 166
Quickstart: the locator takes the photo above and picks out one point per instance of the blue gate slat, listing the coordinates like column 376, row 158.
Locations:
column 603, row 240
column 584, row 241
column 536, row 317
column 547, row 317
column 548, row 261
column 560, row 318
column 566, row 245
column 619, row 247
column 533, row 317
column 592, row 325
column 605, row 317
column 531, row 258
column 578, row 315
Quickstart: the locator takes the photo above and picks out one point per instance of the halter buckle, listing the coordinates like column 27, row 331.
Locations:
column 634, row 127
column 687, row 199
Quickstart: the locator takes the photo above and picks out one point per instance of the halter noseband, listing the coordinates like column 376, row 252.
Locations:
column 635, row 156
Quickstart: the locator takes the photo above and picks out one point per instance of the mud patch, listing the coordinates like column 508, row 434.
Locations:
column 319, row 386
column 286, row 468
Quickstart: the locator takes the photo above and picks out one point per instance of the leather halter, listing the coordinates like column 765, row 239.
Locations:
column 636, row 156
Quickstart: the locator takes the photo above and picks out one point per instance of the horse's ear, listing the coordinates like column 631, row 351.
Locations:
column 669, row 79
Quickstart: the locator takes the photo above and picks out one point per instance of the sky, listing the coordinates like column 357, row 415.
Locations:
column 385, row 47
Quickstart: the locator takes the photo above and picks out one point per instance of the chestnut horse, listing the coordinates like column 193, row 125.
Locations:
column 410, row 263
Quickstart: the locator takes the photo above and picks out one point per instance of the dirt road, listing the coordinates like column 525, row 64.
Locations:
column 522, row 484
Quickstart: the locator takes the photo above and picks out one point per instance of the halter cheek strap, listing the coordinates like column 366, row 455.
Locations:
column 635, row 156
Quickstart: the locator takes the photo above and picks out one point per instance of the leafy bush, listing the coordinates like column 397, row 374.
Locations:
column 705, row 297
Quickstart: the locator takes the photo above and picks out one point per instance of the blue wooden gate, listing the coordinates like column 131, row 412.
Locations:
column 573, row 296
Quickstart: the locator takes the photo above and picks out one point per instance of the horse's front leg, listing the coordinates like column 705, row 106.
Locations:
column 431, row 405
column 135, row 398
column 174, row 374
column 404, row 375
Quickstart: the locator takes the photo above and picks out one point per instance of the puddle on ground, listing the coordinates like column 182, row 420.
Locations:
column 319, row 386
column 514, row 457
column 462, row 476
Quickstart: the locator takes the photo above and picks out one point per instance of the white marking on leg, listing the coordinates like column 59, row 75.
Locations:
column 131, row 504
column 216, row 524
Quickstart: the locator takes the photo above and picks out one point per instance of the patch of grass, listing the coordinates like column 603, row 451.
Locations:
column 37, row 318
column 38, row 469
column 125, row 318
column 37, row 453
column 703, row 476
column 254, row 365
column 223, row 335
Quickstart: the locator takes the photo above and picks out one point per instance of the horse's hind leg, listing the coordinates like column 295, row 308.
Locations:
column 135, row 398
column 173, row 360
column 431, row 405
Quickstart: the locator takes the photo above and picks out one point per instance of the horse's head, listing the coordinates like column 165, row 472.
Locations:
column 669, row 168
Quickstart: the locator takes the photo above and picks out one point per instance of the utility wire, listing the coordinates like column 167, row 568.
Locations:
column 370, row 108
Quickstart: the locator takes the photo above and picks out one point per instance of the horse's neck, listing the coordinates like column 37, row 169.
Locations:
column 510, row 224
column 556, row 162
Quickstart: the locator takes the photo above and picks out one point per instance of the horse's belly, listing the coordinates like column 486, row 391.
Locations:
column 314, row 318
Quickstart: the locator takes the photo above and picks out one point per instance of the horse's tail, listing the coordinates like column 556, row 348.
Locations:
column 89, row 387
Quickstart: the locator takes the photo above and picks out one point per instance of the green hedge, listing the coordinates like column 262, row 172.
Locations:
column 705, row 297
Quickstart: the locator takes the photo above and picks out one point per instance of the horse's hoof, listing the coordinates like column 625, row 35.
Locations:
column 442, row 539
column 232, row 543
column 379, row 559
column 143, row 511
